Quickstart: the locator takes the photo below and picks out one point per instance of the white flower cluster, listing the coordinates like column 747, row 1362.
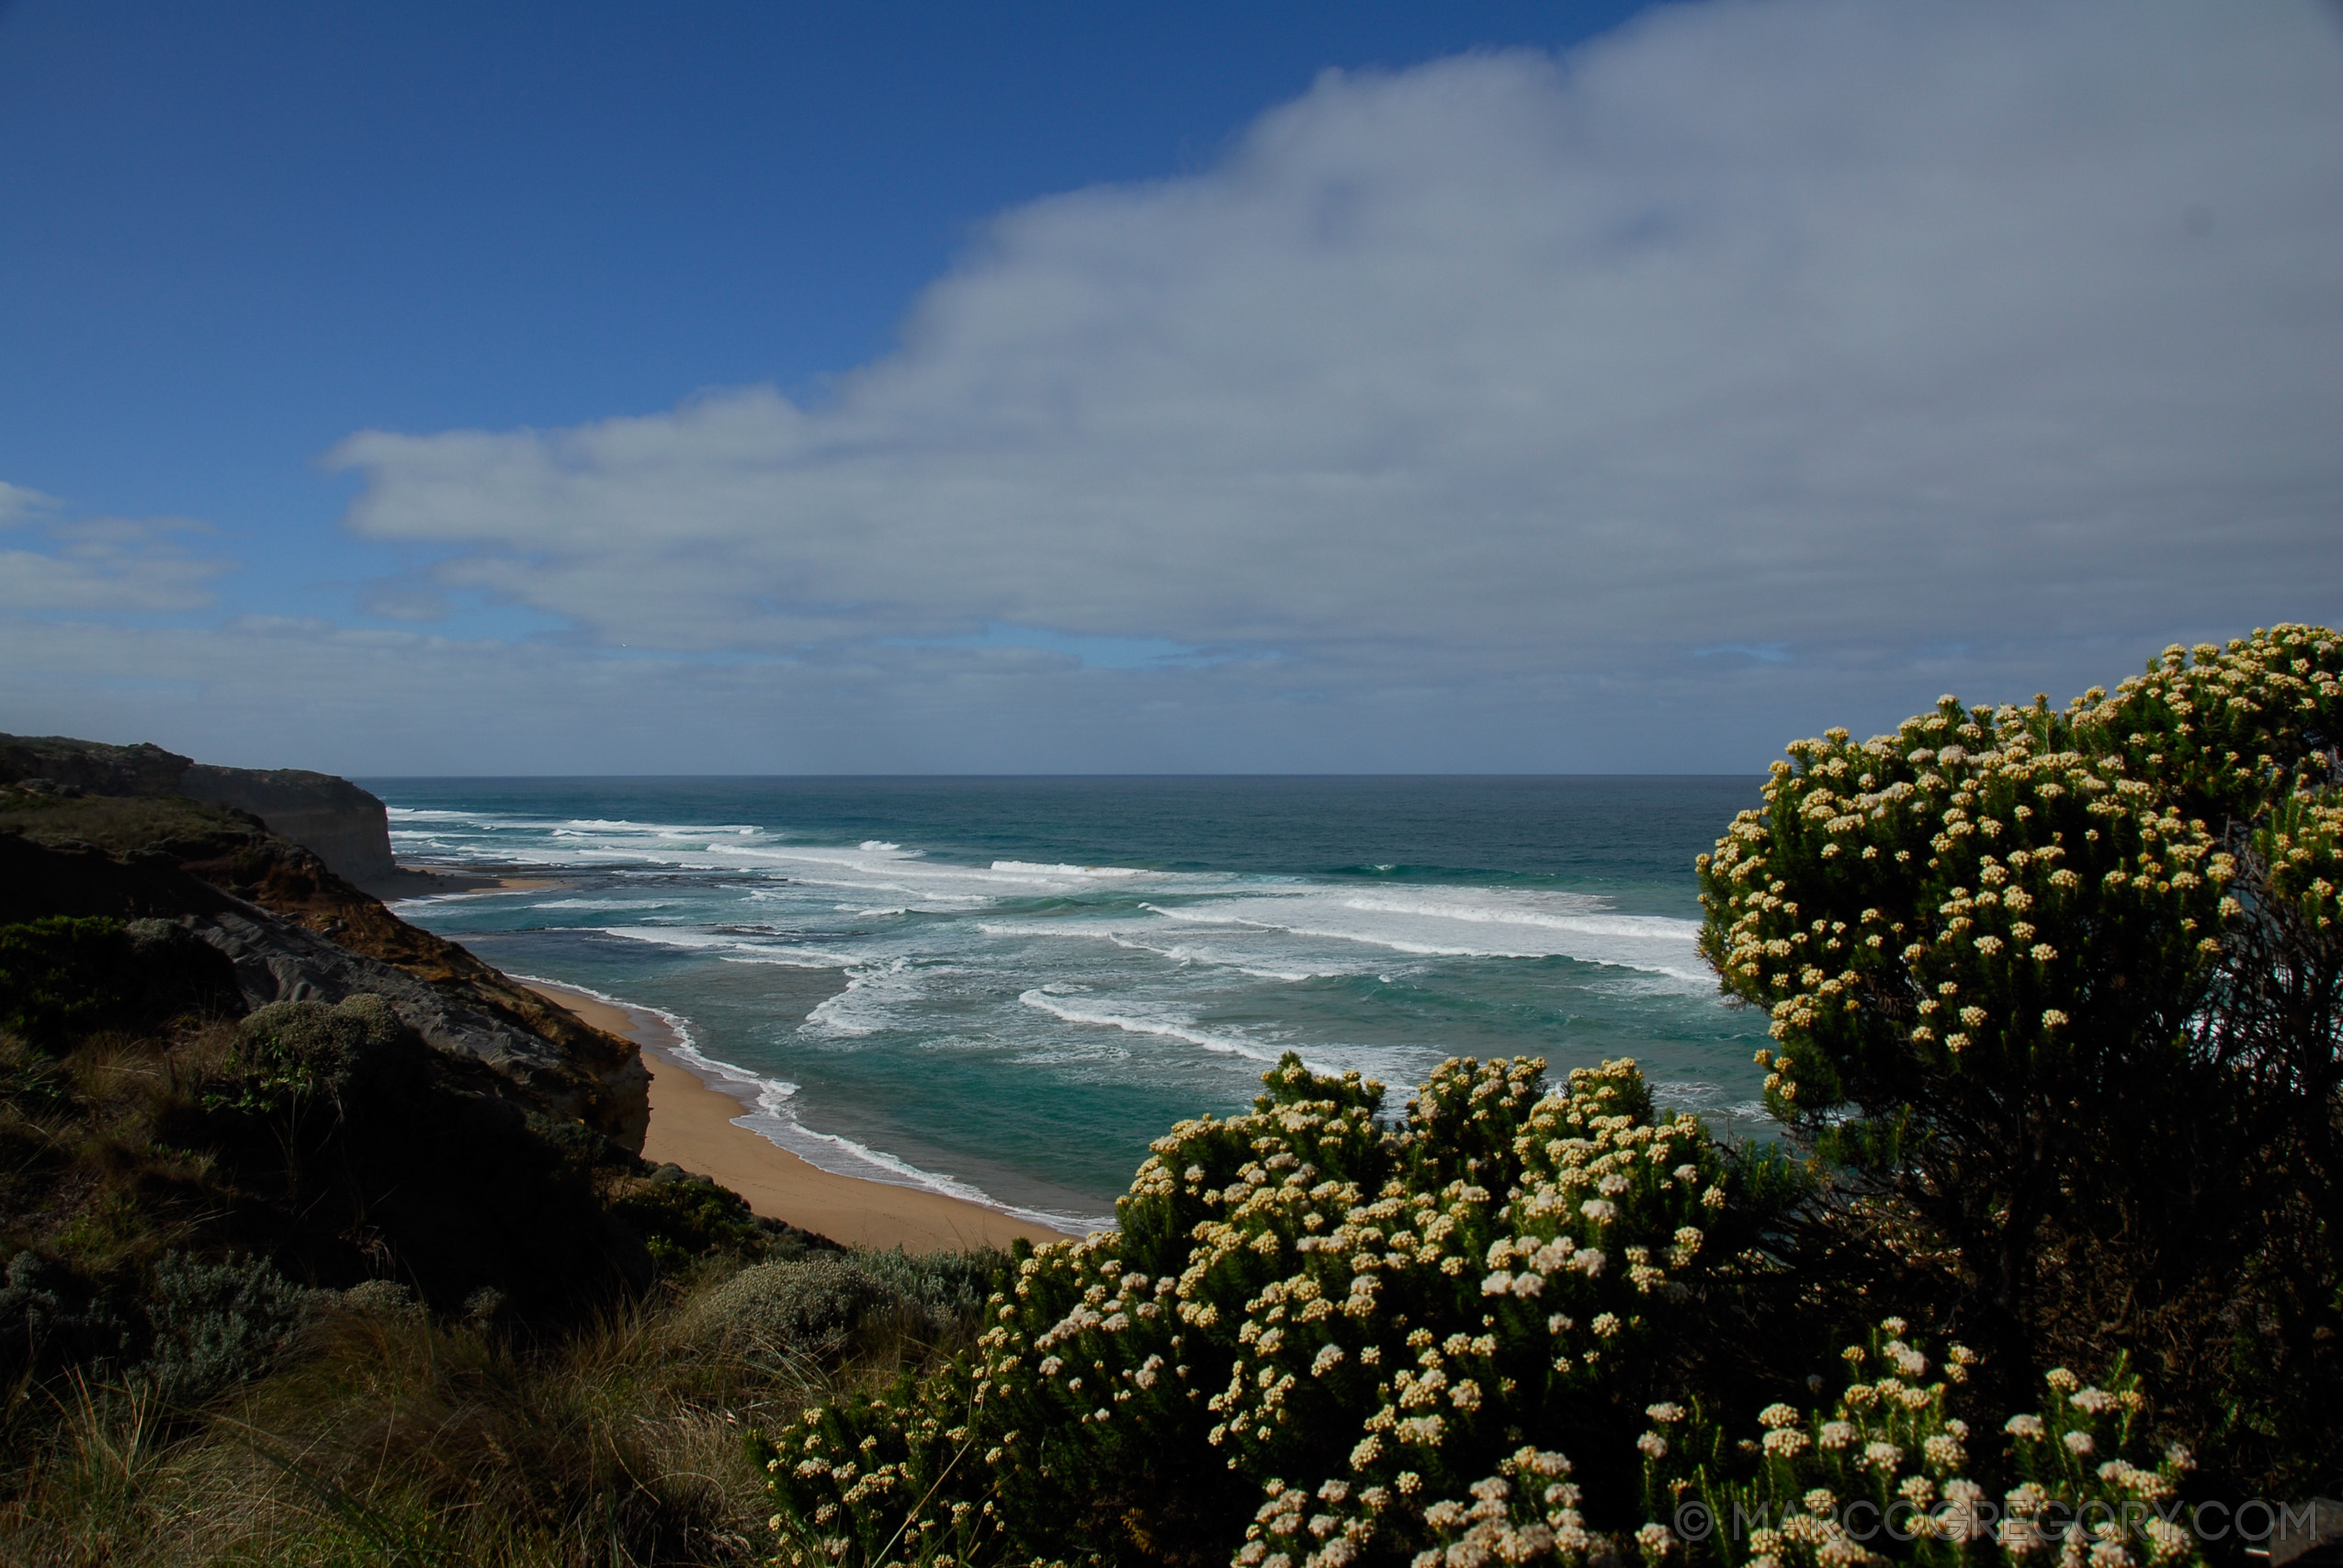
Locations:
column 1883, row 1477
column 2109, row 1512
column 1526, row 1513
column 1308, row 1286
column 1930, row 888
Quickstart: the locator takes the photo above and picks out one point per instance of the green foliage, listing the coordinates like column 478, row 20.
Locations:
column 62, row 978
column 942, row 1293
column 682, row 1222
column 52, row 1317
column 292, row 1050
column 806, row 1307
column 187, row 1330
column 213, row 1326
column 313, row 1043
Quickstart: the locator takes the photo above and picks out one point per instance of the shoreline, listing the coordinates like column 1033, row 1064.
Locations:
column 692, row 1126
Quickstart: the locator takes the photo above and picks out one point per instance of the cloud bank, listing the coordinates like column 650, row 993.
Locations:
column 102, row 564
column 1759, row 366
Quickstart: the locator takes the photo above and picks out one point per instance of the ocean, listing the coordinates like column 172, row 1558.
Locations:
column 1004, row 988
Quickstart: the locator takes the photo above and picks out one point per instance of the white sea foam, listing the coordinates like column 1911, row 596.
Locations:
column 673, row 936
column 469, row 895
column 1030, row 869
column 1128, row 935
column 767, row 1113
column 1189, row 954
column 1168, row 1029
column 735, row 946
column 1465, row 923
column 872, row 1003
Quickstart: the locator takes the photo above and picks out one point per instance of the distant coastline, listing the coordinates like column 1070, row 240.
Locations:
column 1001, row 991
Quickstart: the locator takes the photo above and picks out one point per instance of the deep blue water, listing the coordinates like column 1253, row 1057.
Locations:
column 1010, row 986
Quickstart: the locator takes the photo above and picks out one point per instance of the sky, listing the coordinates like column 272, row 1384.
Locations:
column 1043, row 388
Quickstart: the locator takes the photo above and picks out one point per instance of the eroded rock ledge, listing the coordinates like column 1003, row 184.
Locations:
column 294, row 929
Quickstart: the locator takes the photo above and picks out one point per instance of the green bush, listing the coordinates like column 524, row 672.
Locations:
column 808, row 1306
column 942, row 1292
column 683, row 1220
column 62, row 978
column 216, row 1325
column 384, row 1299
column 51, row 1318
column 314, row 1047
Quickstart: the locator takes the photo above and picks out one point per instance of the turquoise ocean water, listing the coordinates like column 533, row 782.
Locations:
column 1005, row 987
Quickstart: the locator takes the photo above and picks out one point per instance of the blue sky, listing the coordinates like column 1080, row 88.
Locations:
column 1049, row 388
column 230, row 235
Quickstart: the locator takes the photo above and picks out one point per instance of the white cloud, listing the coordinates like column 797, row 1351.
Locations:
column 1844, row 329
column 19, row 504
column 299, row 692
column 1765, row 365
column 103, row 564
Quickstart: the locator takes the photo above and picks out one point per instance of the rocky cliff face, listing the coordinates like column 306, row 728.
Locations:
column 294, row 931
column 332, row 818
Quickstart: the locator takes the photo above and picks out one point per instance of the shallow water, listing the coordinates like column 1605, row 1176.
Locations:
column 1005, row 987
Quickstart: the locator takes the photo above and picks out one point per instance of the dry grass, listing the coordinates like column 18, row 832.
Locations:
column 392, row 1439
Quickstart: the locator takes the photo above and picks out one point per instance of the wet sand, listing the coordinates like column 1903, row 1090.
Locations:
column 692, row 1126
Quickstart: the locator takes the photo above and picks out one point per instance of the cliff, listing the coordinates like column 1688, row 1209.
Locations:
column 332, row 818
column 293, row 930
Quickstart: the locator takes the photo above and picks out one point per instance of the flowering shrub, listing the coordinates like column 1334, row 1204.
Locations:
column 2068, row 987
column 1888, row 1475
column 1952, row 900
column 1378, row 1335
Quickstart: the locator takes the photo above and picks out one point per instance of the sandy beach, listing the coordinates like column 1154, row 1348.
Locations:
column 692, row 1126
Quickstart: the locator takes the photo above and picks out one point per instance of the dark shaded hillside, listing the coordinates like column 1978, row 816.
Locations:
column 217, row 1054
column 295, row 929
column 341, row 824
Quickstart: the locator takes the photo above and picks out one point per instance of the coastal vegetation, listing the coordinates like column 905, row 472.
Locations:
column 2040, row 1265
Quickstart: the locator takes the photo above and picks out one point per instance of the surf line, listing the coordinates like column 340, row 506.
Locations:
column 770, row 1119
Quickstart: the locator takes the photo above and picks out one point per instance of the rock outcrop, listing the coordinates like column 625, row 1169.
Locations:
column 294, row 930
column 343, row 825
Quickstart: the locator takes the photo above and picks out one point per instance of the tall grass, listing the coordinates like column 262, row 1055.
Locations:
column 388, row 1437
